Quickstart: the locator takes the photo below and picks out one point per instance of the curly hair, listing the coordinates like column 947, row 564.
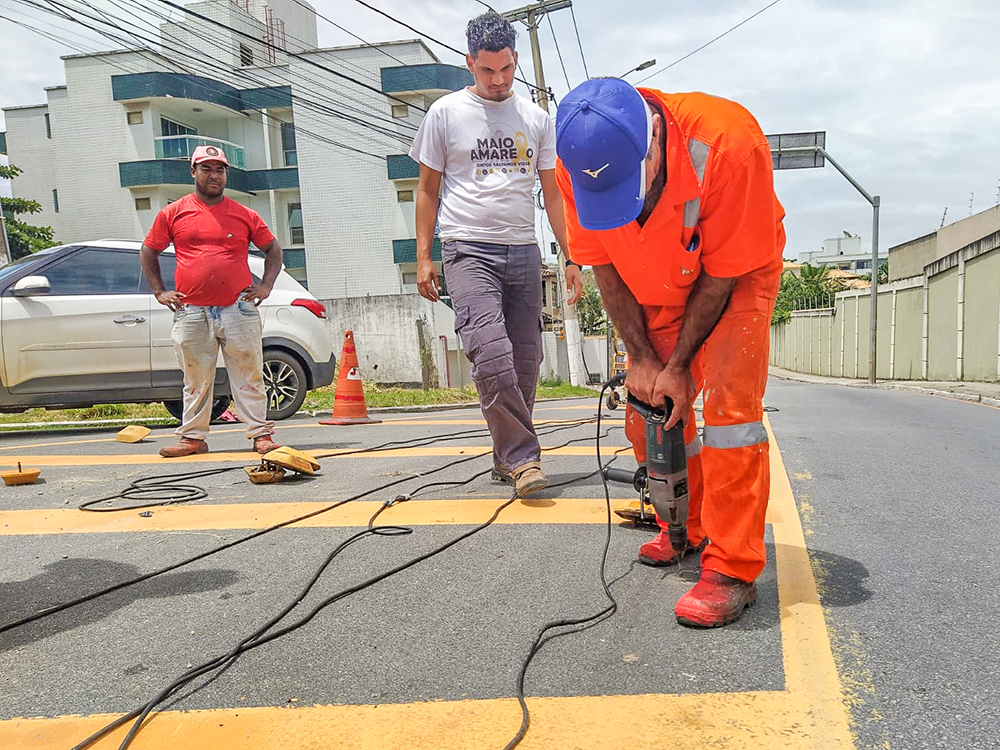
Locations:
column 489, row 32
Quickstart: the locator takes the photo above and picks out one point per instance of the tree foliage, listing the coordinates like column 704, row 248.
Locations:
column 22, row 237
column 590, row 311
column 812, row 288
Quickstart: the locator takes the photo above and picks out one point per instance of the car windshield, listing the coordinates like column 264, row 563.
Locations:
column 16, row 265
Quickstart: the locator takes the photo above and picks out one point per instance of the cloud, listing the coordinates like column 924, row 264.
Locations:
column 907, row 90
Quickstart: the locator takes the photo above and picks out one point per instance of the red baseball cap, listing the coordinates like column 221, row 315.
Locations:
column 208, row 153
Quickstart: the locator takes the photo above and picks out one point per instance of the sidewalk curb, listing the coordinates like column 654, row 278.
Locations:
column 971, row 398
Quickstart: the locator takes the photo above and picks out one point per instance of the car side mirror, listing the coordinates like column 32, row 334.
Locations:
column 31, row 286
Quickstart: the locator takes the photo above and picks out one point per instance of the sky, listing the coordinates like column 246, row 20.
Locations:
column 908, row 91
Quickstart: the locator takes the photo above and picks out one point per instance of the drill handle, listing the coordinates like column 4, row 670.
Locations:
column 650, row 413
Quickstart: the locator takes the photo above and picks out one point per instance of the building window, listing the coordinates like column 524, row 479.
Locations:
column 246, row 56
column 55, row 200
column 295, row 228
column 142, row 204
column 400, row 111
column 169, row 127
column 134, row 118
column 288, row 144
column 862, row 265
column 48, row 126
column 404, row 196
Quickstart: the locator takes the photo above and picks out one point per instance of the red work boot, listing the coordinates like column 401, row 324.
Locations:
column 184, row 447
column 660, row 553
column 264, row 444
column 716, row 600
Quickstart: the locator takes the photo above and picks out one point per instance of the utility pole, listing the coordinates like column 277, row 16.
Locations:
column 530, row 16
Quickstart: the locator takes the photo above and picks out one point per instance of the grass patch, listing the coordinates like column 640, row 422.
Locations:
column 320, row 399
column 137, row 412
column 377, row 396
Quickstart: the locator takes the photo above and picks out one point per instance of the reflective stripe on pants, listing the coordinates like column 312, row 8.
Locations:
column 729, row 479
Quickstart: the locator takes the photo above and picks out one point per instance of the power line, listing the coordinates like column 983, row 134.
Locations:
column 548, row 18
column 64, row 12
column 419, row 33
column 706, row 44
column 579, row 43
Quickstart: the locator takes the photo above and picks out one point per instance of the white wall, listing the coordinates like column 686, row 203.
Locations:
column 350, row 209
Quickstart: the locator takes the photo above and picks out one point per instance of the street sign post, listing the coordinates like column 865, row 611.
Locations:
column 808, row 150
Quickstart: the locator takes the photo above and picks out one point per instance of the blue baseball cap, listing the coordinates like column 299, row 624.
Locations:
column 603, row 131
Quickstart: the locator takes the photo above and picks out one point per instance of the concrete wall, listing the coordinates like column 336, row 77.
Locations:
column 910, row 258
column 907, row 342
column 982, row 313
column 942, row 338
column 394, row 335
column 956, row 302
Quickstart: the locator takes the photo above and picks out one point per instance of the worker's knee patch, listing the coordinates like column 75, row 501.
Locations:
column 492, row 357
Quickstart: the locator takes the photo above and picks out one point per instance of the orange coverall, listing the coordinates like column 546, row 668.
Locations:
column 718, row 213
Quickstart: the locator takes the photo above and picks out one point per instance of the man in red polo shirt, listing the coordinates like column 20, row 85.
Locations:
column 671, row 198
column 216, row 300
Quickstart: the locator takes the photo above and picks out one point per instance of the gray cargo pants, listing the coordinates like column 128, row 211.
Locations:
column 496, row 291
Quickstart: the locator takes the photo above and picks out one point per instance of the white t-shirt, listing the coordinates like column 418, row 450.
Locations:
column 488, row 153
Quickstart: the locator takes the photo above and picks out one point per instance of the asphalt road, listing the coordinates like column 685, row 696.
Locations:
column 893, row 493
column 898, row 494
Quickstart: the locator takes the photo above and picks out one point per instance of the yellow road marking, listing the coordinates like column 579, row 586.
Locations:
column 464, row 511
column 808, row 714
column 735, row 721
column 340, row 453
column 392, row 422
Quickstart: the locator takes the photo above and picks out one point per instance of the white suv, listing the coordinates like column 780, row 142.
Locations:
column 79, row 326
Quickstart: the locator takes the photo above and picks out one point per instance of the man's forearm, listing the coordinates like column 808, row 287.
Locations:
column 426, row 216
column 704, row 307
column 272, row 263
column 625, row 313
column 149, row 260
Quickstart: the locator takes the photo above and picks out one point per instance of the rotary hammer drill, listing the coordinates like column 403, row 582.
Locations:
column 664, row 478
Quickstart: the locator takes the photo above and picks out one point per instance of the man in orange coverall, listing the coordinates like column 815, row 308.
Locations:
column 670, row 197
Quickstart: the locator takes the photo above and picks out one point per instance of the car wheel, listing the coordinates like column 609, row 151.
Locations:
column 176, row 407
column 285, row 383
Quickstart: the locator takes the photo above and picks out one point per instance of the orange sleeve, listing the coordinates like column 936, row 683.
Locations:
column 585, row 246
column 740, row 220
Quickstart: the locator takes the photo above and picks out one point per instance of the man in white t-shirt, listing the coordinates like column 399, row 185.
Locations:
column 487, row 145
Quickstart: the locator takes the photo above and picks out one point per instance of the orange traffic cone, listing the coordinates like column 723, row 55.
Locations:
column 349, row 401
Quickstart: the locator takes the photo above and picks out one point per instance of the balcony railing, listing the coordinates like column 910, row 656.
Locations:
column 182, row 146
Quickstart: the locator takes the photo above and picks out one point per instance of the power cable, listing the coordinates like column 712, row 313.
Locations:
column 552, row 29
column 428, row 36
column 724, row 33
column 574, row 625
column 261, row 637
column 296, row 55
column 65, row 13
column 583, row 57
column 220, row 548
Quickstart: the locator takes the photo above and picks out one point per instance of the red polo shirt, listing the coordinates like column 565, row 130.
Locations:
column 739, row 228
column 212, row 244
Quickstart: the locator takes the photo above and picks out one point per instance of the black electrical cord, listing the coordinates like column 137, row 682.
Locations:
column 325, row 509
column 578, row 624
column 261, row 637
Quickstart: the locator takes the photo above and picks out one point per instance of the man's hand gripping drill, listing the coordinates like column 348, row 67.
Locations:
column 664, row 477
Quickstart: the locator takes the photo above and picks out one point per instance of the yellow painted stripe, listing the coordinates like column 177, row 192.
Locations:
column 808, row 714
column 261, row 515
column 216, row 431
column 736, row 721
column 248, row 457
column 810, row 673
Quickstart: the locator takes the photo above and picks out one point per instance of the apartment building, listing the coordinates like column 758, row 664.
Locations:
column 316, row 138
